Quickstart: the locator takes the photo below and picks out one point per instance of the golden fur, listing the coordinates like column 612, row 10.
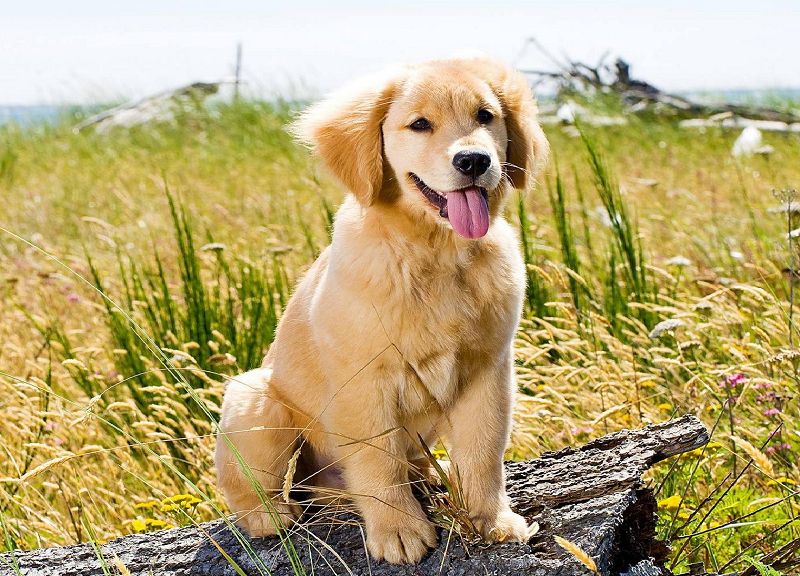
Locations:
column 401, row 327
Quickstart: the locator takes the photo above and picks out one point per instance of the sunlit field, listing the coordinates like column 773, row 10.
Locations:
column 140, row 267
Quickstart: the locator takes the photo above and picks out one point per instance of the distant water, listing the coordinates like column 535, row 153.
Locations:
column 767, row 97
column 27, row 115
column 31, row 115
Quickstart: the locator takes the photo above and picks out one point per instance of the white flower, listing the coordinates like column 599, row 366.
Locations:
column 748, row 142
column 665, row 326
column 764, row 150
column 566, row 113
column 737, row 255
column 679, row 261
column 213, row 247
column 790, row 207
column 605, row 218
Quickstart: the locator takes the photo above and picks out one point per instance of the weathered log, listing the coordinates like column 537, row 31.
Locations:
column 592, row 496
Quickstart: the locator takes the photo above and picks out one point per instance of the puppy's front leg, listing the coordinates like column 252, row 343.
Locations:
column 373, row 454
column 480, row 425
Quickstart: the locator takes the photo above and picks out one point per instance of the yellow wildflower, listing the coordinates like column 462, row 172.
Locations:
column 176, row 498
column 146, row 505
column 191, row 502
column 672, row 503
column 665, row 406
column 782, row 480
column 138, row 526
column 704, row 450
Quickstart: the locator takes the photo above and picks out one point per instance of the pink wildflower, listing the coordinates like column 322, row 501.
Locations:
column 733, row 381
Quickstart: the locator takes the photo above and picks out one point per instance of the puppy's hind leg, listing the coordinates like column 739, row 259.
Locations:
column 261, row 430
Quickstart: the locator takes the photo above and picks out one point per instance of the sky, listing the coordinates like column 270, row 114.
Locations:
column 83, row 51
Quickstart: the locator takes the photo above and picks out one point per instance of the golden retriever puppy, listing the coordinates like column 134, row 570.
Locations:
column 403, row 327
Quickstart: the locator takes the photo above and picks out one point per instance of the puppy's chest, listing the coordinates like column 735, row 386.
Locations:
column 437, row 304
column 440, row 319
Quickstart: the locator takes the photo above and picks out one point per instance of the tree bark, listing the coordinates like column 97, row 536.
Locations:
column 592, row 496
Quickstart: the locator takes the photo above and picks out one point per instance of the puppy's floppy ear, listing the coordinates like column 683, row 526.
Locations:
column 527, row 149
column 344, row 130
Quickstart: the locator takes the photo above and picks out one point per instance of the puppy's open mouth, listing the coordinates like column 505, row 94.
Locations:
column 467, row 209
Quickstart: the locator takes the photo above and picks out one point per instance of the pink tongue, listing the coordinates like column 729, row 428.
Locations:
column 468, row 212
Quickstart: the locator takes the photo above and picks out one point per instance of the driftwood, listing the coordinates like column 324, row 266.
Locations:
column 639, row 96
column 158, row 108
column 592, row 496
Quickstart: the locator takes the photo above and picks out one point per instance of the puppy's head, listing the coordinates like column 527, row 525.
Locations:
column 444, row 141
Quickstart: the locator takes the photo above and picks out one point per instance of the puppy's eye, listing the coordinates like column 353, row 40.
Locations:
column 420, row 125
column 484, row 116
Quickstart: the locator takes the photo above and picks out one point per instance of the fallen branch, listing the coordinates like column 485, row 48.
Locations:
column 593, row 497
column 158, row 108
column 575, row 77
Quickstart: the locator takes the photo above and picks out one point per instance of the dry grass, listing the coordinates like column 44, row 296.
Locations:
column 88, row 441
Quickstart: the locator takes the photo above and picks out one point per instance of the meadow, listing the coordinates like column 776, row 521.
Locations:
column 140, row 267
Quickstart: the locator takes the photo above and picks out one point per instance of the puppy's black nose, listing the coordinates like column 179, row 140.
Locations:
column 472, row 163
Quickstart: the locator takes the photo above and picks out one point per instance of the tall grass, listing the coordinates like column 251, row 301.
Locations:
column 623, row 277
column 219, row 320
column 537, row 292
column 566, row 238
column 206, row 273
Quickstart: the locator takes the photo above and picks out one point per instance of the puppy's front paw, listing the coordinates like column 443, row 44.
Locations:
column 404, row 541
column 506, row 526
